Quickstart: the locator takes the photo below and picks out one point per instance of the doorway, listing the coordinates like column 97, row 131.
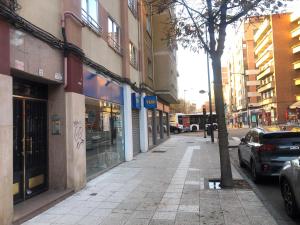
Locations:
column 30, row 142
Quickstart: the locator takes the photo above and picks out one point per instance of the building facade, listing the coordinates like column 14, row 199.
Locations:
column 273, row 50
column 78, row 95
column 244, row 102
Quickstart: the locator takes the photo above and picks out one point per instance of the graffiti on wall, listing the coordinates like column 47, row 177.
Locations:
column 78, row 134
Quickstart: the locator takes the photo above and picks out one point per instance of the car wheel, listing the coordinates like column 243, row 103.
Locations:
column 176, row 131
column 289, row 199
column 254, row 174
column 242, row 164
column 194, row 128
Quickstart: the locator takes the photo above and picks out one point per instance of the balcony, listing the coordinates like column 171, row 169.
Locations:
column 263, row 44
column 295, row 32
column 262, row 30
column 266, row 72
column 268, row 101
column 295, row 16
column 263, row 59
column 266, row 87
column 296, row 49
column 296, row 65
column 253, row 94
column 297, row 81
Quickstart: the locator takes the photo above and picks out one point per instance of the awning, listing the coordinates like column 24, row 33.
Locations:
column 295, row 105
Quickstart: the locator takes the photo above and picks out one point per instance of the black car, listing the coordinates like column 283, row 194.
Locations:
column 266, row 152
column 175, row 130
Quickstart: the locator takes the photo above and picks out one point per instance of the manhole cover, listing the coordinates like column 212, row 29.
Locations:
column 190, row 142
column 159, row 151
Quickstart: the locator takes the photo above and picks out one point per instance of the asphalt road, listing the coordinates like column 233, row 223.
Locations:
column 268, row 190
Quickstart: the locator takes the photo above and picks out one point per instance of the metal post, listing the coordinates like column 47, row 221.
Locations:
column 209, row 96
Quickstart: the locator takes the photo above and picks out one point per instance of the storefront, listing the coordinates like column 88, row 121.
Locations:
column 103, row 124
column 136, row 106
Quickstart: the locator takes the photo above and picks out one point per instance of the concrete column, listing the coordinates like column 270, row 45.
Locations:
column 154, row 127
column 161, row 124
column 128, row 123
column 76, row 141
column 6, row 150
column 143, row 126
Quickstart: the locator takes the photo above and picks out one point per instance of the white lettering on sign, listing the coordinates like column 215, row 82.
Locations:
column 41, row 72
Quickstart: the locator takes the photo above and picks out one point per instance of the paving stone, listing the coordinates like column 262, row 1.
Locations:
column 138, row 222
column 143, row 214
column 189, row 208
column 161, row 222
column 164, row 215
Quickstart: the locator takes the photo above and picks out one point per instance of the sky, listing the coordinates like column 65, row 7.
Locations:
column 192, row 70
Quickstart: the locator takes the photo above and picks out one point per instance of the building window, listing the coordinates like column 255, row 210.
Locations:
column 133, row 55
column 132, row 4
column 150, row 69
column 114, row 35
column 148, row 24
column 90, row 14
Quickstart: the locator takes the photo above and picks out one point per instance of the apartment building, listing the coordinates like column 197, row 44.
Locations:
column 77, row 82
column 242, row 71
column 277, row 68
column 294, row 113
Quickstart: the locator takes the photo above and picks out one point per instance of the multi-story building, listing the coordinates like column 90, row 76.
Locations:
column 274, row 59
column 242, row 74
column 294, row 113
column 75, row 95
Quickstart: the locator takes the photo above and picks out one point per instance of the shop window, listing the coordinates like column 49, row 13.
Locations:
column 104, row 136
column 90, row 14
column 114, row 35
column 132, row 4
column 133, row 55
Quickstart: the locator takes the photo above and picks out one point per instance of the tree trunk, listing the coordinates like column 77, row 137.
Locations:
column 226, row 174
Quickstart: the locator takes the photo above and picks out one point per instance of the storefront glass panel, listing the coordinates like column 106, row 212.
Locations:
column 104, row 135
column 150, row 125
column 158, row 125
column 165, row 124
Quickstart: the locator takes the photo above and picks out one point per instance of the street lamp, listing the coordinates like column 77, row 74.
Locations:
column 184, row 106
column 210, row 115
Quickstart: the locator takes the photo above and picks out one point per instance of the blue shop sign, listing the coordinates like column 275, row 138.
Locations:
column 150, row 102
column 135, row 101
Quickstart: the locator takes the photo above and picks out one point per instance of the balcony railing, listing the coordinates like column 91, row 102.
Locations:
column 133, row 6
column 296, row 49
column 263, row 59
column 296, row 65
column 296, row 32
column 295, row 16
column 268, row 101
column 114, row 44
column 90, row 21
column 266, row 87
column 266, row 72
column 262, row 29
column 297, row 81
column 264, row 43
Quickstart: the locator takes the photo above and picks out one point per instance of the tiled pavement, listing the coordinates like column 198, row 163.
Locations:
column 161, row 188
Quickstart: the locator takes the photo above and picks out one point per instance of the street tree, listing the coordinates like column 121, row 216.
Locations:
column 193, row 21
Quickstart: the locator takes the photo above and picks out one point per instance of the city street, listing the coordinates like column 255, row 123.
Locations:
column 268, row 190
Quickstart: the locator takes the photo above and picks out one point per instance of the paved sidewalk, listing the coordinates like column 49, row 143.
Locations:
column 166, row 187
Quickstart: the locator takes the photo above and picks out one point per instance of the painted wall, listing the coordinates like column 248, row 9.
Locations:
column 50, row 11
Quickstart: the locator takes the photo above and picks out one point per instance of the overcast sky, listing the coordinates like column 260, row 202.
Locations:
column 193, row 72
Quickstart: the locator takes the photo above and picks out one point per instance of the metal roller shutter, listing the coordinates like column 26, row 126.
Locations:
column 136, row 132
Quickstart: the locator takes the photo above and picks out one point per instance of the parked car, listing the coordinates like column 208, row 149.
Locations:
column 290, row 184
column 266, row 152
column 175, row 130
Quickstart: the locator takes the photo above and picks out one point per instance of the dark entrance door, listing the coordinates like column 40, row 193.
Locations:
column 30, row 147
